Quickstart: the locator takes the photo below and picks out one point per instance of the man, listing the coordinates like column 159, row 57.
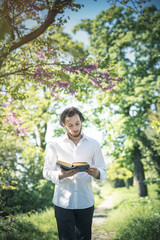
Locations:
column 73, row 196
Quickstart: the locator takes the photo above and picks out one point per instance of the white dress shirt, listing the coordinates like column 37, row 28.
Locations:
column 73, row 192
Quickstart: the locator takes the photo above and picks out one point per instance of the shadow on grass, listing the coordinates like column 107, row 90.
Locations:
column 102, row 210
column 28, row 231
column 103, row 213
column 99, row 226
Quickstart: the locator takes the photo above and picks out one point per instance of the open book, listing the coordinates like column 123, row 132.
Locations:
column 68, row 166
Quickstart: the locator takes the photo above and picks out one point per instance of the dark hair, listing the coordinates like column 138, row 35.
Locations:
column 70, row 112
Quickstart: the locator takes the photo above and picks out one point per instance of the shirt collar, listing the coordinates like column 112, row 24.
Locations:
column 65, row 137
column 84, row 137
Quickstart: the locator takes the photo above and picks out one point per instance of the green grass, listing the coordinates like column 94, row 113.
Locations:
column 98, row 193
column 136, row 220
column 132, row 217
column 33, row 227
column 122, row 194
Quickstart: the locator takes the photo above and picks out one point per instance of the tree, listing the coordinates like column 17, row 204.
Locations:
column 26, row 132
column 23, row 155
column 42, row 13
column 15, row 14
column 112, row 38
column 33, row 58
column 24, row 21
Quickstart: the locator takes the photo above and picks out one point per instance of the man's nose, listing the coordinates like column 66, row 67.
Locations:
column 75, row 128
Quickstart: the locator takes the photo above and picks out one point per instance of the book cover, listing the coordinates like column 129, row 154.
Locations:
column 68, row 166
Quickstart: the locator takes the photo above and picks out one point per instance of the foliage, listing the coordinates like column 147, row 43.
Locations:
column 49, row 69
column 35, row 226
column 42, row 224
column 7, row 217
column 24, row 156
column 17, row 15
column 131, row 215
column 136, row 219
column 132, row 44
column 62, row 66
column 155, row 124
column 137, row 6
column 24, row 135
column 39, row 68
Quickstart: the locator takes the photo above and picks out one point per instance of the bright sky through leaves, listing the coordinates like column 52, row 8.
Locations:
column 90, row 10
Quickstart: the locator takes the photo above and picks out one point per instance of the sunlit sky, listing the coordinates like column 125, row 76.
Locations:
column 90, row 10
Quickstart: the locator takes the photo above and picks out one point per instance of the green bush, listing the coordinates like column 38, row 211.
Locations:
column 28, row 199
column 136, row 220
column 33, row 226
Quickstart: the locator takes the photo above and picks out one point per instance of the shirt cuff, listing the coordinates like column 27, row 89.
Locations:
column 102, row 175
column 56, row 178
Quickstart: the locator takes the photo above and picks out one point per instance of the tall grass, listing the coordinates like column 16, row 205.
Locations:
column 38, row 225
column 34, row 226
column 134, row 218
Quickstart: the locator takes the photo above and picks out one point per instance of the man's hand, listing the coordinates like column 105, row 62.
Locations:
column 69, row 173
column 94, row 172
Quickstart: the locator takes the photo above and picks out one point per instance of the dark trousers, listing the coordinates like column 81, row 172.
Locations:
column 74, row 224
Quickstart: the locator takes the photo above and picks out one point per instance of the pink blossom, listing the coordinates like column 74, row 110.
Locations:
column 41, row 81
column 94, row 82
column 13, row 113
column 61, row 84
column 106, row 88
column 22, row 131
column 11, row 118
column 56, row 95
column 86, row 69
column 9, row 103
column 33, row 6
column 118, row 79
column 39, row 69
column 41, row 55
column 71, row 91
column 104, row 78
column 50, row 50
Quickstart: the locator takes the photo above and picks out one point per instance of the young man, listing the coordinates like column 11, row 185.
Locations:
column 73, row 196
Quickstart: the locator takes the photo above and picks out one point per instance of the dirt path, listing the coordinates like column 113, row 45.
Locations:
column 100, row 218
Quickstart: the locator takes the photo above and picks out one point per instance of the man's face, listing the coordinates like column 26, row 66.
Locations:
column 73, row 126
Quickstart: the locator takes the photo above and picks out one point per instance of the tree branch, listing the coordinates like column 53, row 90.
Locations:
column 36, row 33
column 52, row 13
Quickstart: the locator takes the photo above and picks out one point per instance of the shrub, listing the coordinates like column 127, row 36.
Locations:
column 34, row 226
column 136, row 220
column 28, row 199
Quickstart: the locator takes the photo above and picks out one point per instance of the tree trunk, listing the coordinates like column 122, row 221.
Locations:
column 139, row 173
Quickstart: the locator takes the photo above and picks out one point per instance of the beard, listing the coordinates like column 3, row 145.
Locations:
column 75, row 135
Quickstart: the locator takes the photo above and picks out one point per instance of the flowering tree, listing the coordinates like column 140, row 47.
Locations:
column 17, row 15
column 24, row 21
column 42, row 13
